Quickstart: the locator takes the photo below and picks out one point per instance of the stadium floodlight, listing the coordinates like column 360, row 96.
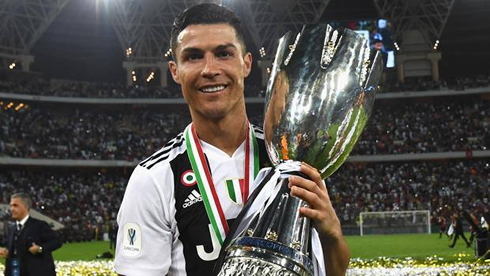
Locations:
column 394, row 222
column 150, row 77
column 396, row 46
column 436, row 44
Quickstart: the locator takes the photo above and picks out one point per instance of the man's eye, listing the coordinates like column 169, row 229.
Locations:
column 224, row 54
column 193, row 56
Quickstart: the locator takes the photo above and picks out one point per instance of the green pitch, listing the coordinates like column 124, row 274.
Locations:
column 417, row 246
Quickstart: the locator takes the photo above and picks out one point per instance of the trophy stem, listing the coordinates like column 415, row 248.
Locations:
column 277, row 239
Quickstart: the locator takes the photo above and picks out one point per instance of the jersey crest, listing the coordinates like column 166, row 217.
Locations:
column 235, row 188
column 188, row 178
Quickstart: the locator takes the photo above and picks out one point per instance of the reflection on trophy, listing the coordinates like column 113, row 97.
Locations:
column 320, row 93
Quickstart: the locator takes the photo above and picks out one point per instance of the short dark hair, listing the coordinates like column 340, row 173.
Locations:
column 24, row 198
column 207, row 13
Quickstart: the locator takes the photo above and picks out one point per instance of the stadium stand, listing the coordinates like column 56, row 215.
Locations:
column 35, row 84
column 434, row 186
column 86, row 200
column 396, row 127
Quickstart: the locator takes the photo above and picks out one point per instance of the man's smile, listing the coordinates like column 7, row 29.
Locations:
column 212, row 88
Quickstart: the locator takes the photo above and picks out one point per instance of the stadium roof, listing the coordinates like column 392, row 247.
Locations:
column 81, row 43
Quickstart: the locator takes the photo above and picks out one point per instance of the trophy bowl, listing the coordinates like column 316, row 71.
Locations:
column 319, row 96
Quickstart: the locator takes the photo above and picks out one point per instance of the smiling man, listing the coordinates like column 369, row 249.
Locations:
column 181, row 201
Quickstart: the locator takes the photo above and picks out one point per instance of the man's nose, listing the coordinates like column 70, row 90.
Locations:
column 211, row 68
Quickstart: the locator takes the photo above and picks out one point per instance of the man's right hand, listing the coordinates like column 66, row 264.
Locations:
column 3, row 252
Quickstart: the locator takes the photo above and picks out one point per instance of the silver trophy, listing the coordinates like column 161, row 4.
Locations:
column 320, row 94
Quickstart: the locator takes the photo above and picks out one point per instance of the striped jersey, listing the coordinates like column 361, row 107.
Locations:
column 163, row 225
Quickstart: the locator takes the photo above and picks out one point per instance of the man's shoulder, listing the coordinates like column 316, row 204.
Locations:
column 36, row 222
column 166, row 154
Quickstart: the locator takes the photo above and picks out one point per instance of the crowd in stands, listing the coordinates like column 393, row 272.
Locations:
column 426, row 126
column 86, row 134
column 41, row 86
column 87, row 202
column 389, row 186
column 415, row 84
column 133, row 134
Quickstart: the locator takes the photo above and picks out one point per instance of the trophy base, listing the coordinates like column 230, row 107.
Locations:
column 256, row 256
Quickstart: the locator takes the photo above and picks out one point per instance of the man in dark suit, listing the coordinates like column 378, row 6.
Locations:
column 29, row 242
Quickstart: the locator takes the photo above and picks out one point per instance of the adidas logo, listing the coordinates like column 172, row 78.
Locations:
column 192, row 198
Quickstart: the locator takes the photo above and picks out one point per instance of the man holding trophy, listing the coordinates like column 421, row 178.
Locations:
column 197, row 196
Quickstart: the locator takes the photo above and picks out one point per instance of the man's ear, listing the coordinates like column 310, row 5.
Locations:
column 247, row 59
column 172, row 66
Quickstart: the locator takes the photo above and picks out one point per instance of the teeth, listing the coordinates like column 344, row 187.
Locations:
column 213, row 89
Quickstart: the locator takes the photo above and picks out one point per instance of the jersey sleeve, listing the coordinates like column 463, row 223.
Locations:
column 145, row 236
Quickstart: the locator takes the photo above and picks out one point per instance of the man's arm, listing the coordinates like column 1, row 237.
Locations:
column 50, row 240
column 320, row 211
column 144, row 239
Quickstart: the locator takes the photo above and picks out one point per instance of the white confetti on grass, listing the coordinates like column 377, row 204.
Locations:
column 371, row 267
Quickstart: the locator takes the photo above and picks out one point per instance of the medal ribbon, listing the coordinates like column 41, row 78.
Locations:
column 205, row 181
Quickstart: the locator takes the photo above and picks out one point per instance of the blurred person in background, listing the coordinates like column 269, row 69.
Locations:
column 29, row 242
column 458, row 230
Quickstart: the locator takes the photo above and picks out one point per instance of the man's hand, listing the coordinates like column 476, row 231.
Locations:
column 34, row 249
column 320, row 210
column 4, row 252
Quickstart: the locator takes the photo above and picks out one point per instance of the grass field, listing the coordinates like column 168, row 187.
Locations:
column 417, row 246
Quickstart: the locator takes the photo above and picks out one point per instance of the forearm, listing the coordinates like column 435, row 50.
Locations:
column 336, row 255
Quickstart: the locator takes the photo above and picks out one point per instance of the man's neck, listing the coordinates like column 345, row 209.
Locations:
column 226, row 134
column 23, row 220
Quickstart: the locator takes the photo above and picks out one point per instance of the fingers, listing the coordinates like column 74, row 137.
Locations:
column 299, row 189
column 312, row 173
column 310, row 213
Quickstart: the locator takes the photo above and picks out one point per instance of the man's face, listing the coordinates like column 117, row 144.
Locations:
column 211, row 69
column 18, row 209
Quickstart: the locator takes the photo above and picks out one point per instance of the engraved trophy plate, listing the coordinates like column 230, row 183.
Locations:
column 319, row 96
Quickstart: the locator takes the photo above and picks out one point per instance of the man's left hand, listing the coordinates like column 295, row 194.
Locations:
column 319, row 209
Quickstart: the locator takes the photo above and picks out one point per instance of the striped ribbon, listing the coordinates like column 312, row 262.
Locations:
column 205, row 181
